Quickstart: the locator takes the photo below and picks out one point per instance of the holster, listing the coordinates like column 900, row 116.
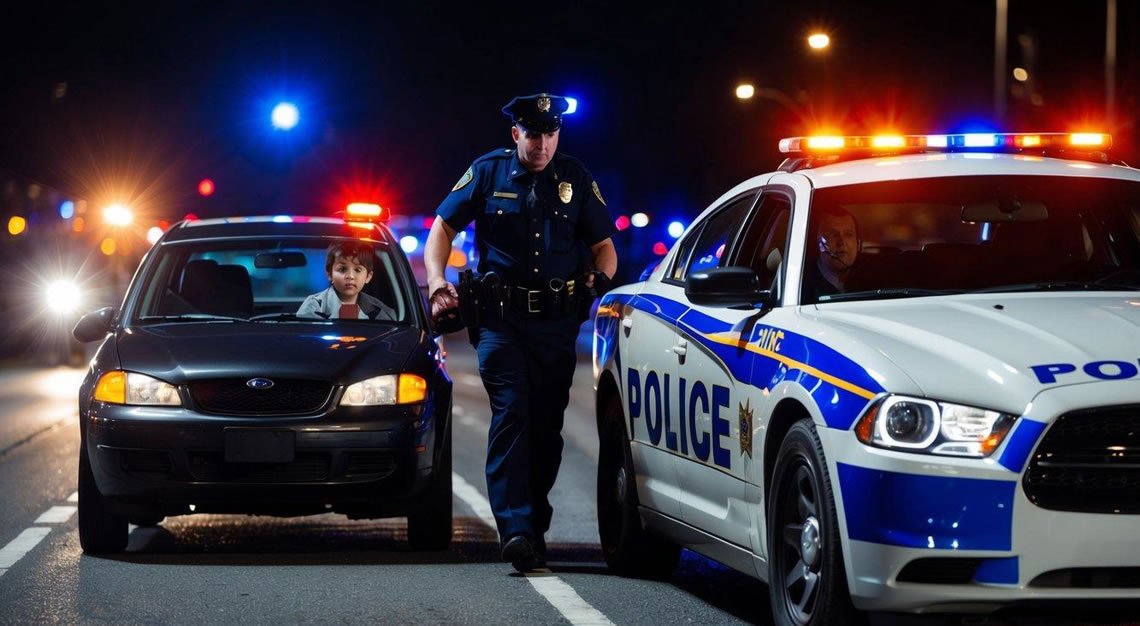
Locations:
column 469, row 309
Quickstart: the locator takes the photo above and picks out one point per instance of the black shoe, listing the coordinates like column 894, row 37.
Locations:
column 540, row 550
column 519, row 552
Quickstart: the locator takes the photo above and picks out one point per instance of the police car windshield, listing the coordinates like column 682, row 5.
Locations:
column 947, row 235
column 264, row 281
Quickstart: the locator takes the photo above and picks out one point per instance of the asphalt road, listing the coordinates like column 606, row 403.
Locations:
column 325, row 568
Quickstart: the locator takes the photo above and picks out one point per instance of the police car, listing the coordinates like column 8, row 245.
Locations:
column 900, row 373
column 210, row 394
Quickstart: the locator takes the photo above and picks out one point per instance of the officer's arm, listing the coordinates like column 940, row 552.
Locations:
column 436, row 251
column 605, row 257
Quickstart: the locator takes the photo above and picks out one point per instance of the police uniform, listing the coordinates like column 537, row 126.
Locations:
column 530, row 229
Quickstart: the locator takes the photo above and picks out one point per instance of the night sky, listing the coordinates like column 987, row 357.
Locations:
column 396, row 100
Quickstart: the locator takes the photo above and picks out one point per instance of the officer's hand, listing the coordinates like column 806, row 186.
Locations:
column 598, row 279
column 443, row 297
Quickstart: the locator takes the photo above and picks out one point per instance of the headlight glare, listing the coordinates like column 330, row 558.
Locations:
column 119, row 387
column 907, row 423
column 387, row 389
column 929, row 427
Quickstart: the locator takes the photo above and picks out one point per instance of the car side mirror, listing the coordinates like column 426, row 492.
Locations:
column 730, row 287
column 95, row 325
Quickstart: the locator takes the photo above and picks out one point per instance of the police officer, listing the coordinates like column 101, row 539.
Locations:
column 540, row 225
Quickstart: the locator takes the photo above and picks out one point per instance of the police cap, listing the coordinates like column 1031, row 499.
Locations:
column 540, row 113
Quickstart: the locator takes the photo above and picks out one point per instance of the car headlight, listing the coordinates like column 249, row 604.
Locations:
column 119, row 387
column 929, row 427
column 388, row 389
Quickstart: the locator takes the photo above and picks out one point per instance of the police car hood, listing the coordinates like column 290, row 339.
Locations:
column 178, row 353
column 989, row 349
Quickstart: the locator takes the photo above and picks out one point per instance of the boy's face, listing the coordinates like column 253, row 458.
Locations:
column 349, row 276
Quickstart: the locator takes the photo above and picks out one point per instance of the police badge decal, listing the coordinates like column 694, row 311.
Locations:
column 746, row 429
column 565, row 192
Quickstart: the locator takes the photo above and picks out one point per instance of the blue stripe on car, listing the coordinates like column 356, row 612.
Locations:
column 1001, row 571
column 935, row 512
column 1021, row 442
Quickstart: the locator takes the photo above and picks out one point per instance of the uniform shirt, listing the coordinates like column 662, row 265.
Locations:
column 529, row 243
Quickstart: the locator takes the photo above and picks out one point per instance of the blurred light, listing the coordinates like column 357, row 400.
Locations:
column 571, row 105
column 1086, row 139
column 285, row 115
column 117, row 215
column 720, row 251
column 363, row 209
column 622, row 222
column 206, row 187
column 888, row 141
column 78, row 225
column 659, row 248
column 429, row 222
column 16, row 225
column 409, row 243
column 676, row 229
column 936, row 141
column 66, row 209
column 63, row 296
column 282, row 219
column 457, row 258
column 639, row 220
column 975, row 140
column 825, row 141
column 1027, row 141
column 190, row 217
column 819, row 41
column 745, row 91
column 163, row 224
column 1020, row 74
column 107, row 246
column 153, row 233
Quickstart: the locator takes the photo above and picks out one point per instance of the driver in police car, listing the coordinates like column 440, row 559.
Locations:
column 837, row 238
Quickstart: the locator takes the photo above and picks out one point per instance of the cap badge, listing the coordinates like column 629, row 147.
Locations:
column 543, row 104
column 565, row 192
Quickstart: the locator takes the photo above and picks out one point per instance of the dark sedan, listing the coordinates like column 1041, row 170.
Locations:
column 211, row 394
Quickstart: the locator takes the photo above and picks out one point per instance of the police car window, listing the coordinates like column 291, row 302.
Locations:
column 234, row 279
column 716, row 235
column 764, row 244
column 972, row 233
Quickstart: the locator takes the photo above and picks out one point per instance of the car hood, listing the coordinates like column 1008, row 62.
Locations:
column 181, row 352
column 982, row 348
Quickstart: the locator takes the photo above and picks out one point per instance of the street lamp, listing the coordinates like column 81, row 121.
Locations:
column 117, row 215
column 285, row 116
column 819, row 41
column 745, row 91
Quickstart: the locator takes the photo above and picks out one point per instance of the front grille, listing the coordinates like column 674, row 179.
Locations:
column 940, row 571
column 370, row 464
column 145, row 463
column 1090, row 578
column 1088, row 462
column 306, row 467
column 231, row 396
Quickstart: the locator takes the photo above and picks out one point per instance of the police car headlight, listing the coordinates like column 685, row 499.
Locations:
column 929, row 427
column 389, row 389
column 118, row 387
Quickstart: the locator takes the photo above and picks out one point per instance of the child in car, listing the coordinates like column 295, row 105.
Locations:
column 348, row 265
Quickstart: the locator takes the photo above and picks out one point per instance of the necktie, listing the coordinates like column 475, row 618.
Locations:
column 531, row 196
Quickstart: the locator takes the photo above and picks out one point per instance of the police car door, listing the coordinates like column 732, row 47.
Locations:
column 710, row 368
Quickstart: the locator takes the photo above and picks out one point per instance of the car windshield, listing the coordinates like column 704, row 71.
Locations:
column 937, row 236
column 264, row 281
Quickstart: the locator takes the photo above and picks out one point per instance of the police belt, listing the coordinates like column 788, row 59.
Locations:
column 557, row 301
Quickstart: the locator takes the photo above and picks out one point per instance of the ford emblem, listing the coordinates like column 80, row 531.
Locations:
column 259, row 383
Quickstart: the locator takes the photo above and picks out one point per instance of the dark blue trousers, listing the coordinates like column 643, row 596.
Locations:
column 527, row 367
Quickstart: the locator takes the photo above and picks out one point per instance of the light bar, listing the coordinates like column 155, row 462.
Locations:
column 365, row 211
column 833, row 144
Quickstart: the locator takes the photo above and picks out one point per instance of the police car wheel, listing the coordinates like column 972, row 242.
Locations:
column 100, row 531
column 147, row 522
column 628, row 548
column 429, row 526
column 807, row 582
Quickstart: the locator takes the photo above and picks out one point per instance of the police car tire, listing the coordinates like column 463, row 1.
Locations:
column 801, row 459
column 100, row 531
column 430, row 525
column 629, row 549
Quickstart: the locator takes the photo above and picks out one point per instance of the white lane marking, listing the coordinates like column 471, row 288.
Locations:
column 55, row 515
column 470, row 380
column 566, row 600
column 559, row 594
column 73, row 497
column 467, row 420
column 469, row 494
column 20, row 546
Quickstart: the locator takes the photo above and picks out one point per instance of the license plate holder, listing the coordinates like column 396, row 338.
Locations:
column 259, row 445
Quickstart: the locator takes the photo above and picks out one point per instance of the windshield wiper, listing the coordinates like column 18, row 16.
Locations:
column 190, row 317
column 282, row 316
column 1058, row 285
column 882, row 294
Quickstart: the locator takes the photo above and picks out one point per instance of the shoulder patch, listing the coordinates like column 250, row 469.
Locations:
column 597, row 192
column 467, row 177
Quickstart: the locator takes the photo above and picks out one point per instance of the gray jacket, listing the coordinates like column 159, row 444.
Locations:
column 326, row 305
